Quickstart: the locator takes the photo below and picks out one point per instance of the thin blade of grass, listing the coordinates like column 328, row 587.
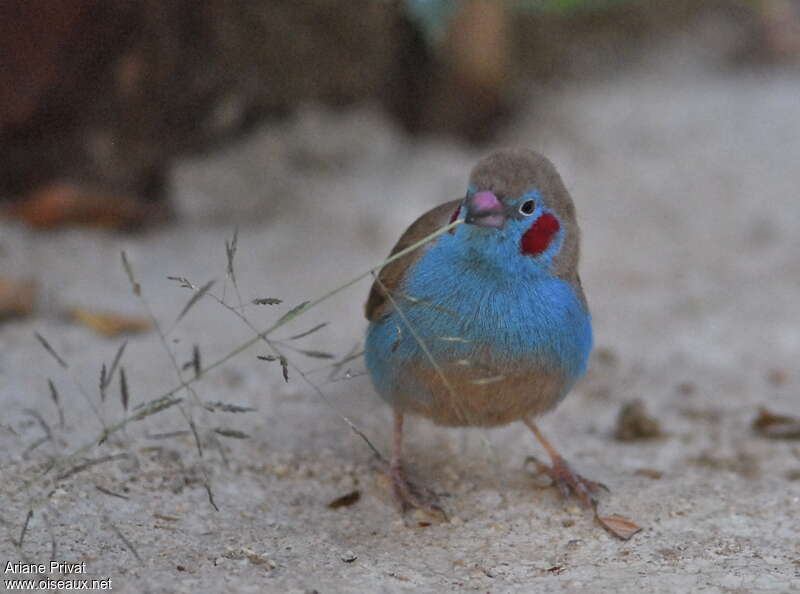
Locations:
column 103, row 382
column 196, row 361
column 315, row 354
column 296, row 310
column 39, row 419
column 51, row 350
column 36, row 444
column 128, row 544
column 135, row 286
column 307, row 332
column 197, row 296
column 485, row 381
column 154, row 406
column 210, row 496
column 123, row 389
column 169, row 434
column 230, row 251
column 56, row 400
column 285, row 368
column 53, row 391
column 24, row 528
column 89, row 464
column 425, row 303
column 115, row 362
column 110, row 493
column 353, row 354
column 53, row 546
column 198, row 444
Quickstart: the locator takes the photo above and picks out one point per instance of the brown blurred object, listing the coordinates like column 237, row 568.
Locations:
column 61, row 204
column 619, row 526
column 34, row 45
column 777, row 377
column 633, row 423
column 471, row 86
column 53, row 70
column 108, row 93
column 109, row 324
column 776, row 426
column 17, row 297
column 777, row 31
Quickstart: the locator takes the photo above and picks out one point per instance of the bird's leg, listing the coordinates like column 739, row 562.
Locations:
column 567, row 481
column 405, row 492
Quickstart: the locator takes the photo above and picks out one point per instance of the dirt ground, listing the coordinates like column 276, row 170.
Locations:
column 685, row 174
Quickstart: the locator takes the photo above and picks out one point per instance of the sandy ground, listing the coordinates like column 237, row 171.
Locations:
column 685, row 174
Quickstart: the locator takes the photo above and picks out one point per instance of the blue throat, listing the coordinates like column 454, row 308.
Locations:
column 473, row 292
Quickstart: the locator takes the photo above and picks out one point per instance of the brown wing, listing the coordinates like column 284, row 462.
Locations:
column 378, row 305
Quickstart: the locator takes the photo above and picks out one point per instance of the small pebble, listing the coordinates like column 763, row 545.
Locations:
column 633, row 423
column 574, row 544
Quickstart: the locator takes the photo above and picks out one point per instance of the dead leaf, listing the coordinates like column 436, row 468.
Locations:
column 775, row 426
column 618, row 526
column 16, row 297
column 650, row 473
column 64, row 203
column 107, row 323
column 345, row 500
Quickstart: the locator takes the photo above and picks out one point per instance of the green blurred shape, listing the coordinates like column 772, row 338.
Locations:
column 434, row 16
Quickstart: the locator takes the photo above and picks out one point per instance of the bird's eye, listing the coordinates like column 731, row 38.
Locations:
column 527, row 207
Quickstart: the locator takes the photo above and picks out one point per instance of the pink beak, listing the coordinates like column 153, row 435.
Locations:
column 485, row 210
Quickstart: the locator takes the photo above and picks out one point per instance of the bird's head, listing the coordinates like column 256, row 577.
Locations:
column 518, row 209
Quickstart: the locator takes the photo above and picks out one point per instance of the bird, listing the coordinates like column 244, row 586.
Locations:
column 486, row 324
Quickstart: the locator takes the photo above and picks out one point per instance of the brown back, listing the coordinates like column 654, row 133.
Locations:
column 392, row 275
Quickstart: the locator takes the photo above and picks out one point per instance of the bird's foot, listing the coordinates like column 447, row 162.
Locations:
column 568, row 481
column 409, row 495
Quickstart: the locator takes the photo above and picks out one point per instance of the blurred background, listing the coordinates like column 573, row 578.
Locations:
column 320, row 130
column 98, row 100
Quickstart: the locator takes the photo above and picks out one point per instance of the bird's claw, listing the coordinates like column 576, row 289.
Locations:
column 568, row 481
column 411, row 496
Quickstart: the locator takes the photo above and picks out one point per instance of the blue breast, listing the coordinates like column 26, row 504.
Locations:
column 472, row 300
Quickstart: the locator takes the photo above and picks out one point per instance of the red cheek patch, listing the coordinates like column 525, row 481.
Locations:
column 538, row 237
